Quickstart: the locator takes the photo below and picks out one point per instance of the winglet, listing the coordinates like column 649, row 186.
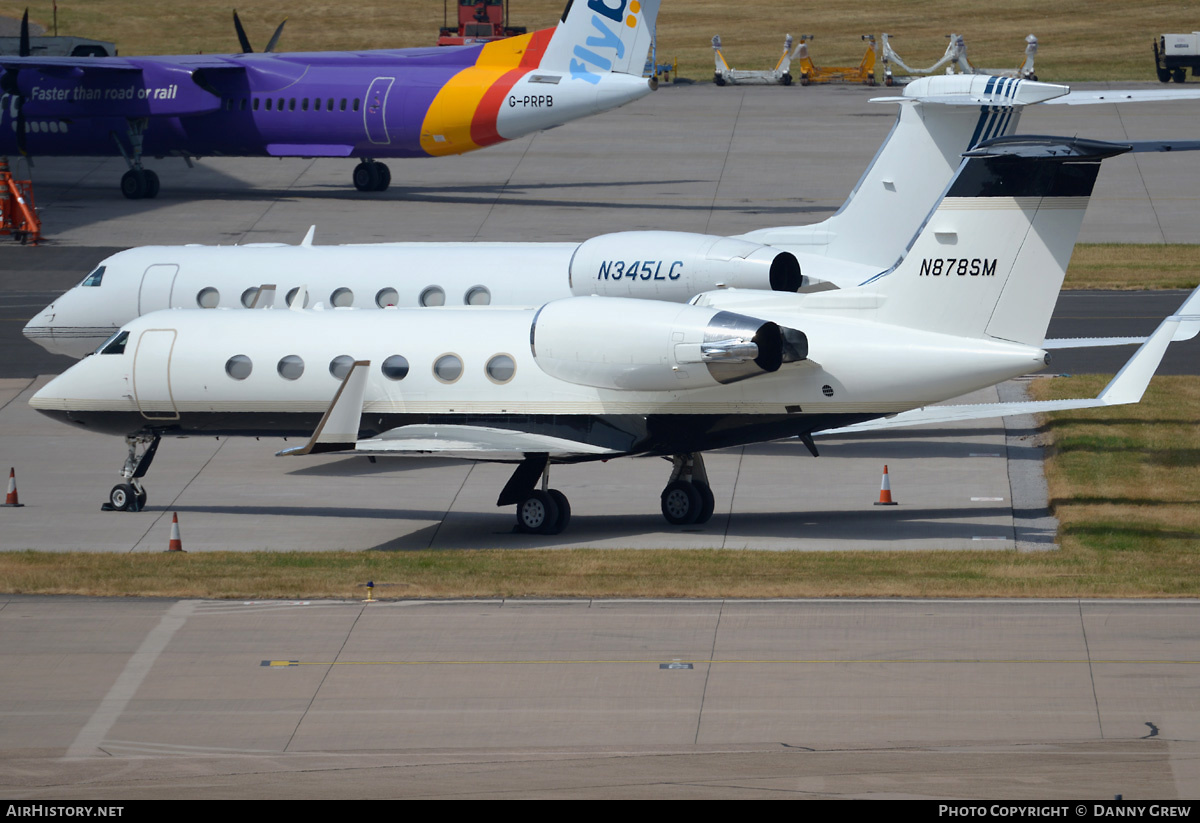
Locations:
column 338, row 429
column 1130, row 383
column 308, row 238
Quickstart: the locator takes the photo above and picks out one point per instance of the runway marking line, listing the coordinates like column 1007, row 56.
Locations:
column 955, row 661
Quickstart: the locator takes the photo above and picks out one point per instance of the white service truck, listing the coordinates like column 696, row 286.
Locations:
column 1174, row 54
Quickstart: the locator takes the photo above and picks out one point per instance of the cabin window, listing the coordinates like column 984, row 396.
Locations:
column 316, row 104
column 433, row 296
column 386, row 297
column 341, row 298
column 330, row 106
column 280, row 105
column 448, row 368
column 208, row 298
column 243, row 104
column 478, row 296
column 115, row 344
column 343, row 104
column 291, row 297
column 304, row 104
column 290, row 367
column 256, row 104
column 395, row 367
column 268, row 104
column 339, row 366
column 356, row 104
column 501, row 368
column 249, row 296
column 94, row 278
column 239, row 367
column 292, row 104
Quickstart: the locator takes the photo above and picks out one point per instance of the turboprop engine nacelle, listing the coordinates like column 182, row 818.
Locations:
column 636, row 345
column 672, row 265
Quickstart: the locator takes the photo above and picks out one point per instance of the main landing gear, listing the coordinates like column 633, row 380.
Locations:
column 130, row 496
column 539, row 511
column 137, row 182
column 687, row 500
column 371, row 175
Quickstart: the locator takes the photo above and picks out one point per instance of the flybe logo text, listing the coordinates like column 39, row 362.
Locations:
column 593, row 55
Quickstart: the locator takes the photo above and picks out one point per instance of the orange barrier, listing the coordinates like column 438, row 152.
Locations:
column 18, row 215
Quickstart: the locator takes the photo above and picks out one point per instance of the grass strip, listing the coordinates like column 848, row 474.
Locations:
column 1124, row 483
column 1130, row 266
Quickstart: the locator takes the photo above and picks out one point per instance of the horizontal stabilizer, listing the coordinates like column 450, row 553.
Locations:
column 1091, row 342
column 474, row 443
column 338, row 429
column 1091, row 98
column 1127, row 387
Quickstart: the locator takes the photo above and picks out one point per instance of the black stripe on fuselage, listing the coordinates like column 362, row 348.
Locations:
column 628, row 434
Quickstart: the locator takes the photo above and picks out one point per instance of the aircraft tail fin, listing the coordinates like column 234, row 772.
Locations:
column 596, row 37
column 940, row 118
column 991, row 256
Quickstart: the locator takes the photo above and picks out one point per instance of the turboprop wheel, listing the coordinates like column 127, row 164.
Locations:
column 537, row 513
column 133, row 184
column 122, row 498
column 151, row 184
column 384, row 175
column 140, row 499
column 365, row 177
column 681, row 503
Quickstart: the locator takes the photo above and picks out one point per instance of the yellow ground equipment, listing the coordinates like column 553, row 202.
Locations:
column 810, row 73
column 781, row 74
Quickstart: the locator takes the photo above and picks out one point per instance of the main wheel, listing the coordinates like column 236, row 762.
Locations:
column 564, row 511
column 365, row 177
column 140, row 499
column 537, row 513
column 122, row 497
column 681, row 503
column 133, row 184
column 708, row 502
column 151, row 184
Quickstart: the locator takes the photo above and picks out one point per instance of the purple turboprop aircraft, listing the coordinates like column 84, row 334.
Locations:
column 369, row 104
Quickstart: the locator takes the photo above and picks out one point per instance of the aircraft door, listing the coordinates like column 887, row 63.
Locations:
column 375, row 108
column 155, row 291
column 152, row 375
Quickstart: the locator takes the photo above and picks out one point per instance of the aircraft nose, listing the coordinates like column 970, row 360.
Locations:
column 40, row 328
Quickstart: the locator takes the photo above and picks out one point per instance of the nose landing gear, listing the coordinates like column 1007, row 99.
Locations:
column 130, row 496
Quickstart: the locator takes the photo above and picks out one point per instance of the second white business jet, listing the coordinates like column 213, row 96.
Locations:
column 593, row 378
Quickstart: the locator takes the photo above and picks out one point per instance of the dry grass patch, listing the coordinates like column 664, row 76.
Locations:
column 1078, row 40
column 1134, row 266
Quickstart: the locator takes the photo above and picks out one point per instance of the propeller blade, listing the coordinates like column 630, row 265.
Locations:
column 24, row 50
column 241, row 34
column 275, row 37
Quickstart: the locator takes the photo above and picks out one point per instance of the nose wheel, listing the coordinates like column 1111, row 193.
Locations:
column 130, row 495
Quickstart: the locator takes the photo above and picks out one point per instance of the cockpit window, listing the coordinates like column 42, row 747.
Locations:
column 94, row 278
column 116, row 343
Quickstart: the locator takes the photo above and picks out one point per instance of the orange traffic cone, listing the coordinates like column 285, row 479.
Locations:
column 885, row 491
column 176, row 544
column 10, row 499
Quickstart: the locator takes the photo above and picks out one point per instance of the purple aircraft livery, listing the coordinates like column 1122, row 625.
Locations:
column 369, row 105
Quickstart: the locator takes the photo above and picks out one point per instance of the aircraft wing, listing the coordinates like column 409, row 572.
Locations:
column 1127, row 387
column 474, row 443
column 1085, row 98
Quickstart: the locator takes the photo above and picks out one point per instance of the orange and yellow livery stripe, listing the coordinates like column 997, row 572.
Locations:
column 462, row 117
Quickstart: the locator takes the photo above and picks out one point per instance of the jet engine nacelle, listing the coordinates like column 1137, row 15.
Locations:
column 675, row 266
column 639, row 345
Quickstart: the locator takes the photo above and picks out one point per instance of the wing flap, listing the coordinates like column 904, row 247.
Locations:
column 474, row 443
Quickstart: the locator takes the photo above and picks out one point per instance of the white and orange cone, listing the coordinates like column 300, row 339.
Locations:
column 176, row 543
column 885, row 491
column 10, row 499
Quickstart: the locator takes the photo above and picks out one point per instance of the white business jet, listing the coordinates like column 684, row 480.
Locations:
column 593, row 378
column 939, row 118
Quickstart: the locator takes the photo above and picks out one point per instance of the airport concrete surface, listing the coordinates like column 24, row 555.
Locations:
column 1032, row 700
column 692, row 158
